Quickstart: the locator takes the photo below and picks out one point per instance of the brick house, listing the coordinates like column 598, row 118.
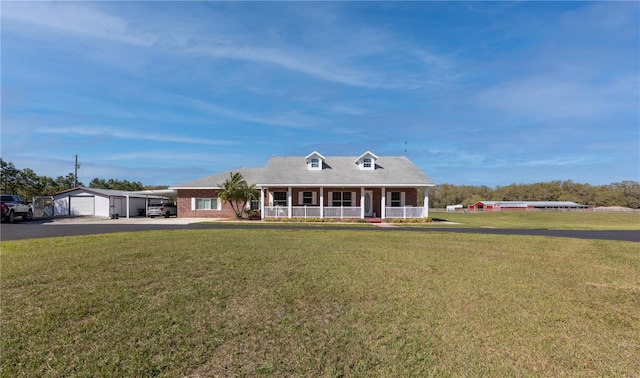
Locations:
column 315, row 186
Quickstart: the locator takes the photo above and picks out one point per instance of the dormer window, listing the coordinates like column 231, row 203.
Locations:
column 366, row 161
column 314, row 161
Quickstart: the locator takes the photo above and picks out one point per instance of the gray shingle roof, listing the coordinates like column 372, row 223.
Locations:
column 251, row 176
column 112, row 193
column 337, row 171
column 342, row 171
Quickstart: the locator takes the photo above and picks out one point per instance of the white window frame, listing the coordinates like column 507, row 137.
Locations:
column 393, row 202
column 195, row 201
column 342, row 201
column 315, row 162
column 279, row 202
column 310, row 197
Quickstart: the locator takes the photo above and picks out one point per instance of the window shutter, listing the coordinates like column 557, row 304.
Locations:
column 402, row 198
column 353, row 199
column 314, row 198
column 270, row 198
column 330, row 200
column 193, row 203
column 300, row 198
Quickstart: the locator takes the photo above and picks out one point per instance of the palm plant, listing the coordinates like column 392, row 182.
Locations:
column 237, row 193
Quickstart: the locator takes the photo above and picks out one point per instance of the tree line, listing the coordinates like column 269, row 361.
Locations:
column 27, row 184
column 626, row 193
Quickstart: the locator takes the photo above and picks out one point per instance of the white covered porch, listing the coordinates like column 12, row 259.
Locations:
column 387, row 207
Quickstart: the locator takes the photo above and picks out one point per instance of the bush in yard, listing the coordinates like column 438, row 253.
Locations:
column 412, row 220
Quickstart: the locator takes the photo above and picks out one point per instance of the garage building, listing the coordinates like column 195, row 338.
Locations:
column 529, row 206
column 103, row 202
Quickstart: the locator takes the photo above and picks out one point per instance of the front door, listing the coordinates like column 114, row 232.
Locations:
column 368, row 203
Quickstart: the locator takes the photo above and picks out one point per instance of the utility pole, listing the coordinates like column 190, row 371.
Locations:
column 75, row 175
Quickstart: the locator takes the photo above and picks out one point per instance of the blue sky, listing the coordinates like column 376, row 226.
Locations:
column 483, row 93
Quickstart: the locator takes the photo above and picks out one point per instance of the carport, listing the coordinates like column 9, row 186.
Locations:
column 106, row 202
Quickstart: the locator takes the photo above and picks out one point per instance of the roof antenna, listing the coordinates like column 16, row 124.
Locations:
column 405, row 148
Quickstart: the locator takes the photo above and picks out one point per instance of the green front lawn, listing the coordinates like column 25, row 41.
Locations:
column 315, row 302
column 542, row 220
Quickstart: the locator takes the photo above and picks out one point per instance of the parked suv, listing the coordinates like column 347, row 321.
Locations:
column 12, row 206
column 166, row 209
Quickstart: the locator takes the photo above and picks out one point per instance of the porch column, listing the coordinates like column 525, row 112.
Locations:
column 128, row 199
column 426, row 202
column 289, row 202
column 321, row 202
column 261, row 203
column 383, row 203
column 362, row 202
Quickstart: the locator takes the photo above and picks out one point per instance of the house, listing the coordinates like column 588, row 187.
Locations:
column 315, row 186
column 528, row 206
column 103, row 202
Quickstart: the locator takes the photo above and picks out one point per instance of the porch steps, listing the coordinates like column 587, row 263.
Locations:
column 379, row 223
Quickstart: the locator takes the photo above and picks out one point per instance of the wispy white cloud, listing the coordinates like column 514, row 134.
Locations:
column 335, row 76
column 329, row 63
column 182, row 157
column 76, row 18
column 563, row 161
column 315, row 66
column 559, row 98
column 121, row 134
column 286, row 120
column 619, row 21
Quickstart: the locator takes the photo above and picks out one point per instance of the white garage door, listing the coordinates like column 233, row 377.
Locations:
column 82, row 205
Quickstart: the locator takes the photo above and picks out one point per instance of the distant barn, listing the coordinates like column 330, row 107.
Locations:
column 529, row 206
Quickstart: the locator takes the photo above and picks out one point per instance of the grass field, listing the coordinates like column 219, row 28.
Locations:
column 319, row 303
column 543, row 220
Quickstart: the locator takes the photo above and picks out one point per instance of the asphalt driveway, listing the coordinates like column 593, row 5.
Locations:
column 72, row 227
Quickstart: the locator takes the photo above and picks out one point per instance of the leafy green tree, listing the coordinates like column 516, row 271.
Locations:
column 99, row 183
column 66, row 182
column 237, row 193
column 9, row 177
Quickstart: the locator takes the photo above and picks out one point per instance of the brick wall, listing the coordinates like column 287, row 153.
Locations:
column 184, row 205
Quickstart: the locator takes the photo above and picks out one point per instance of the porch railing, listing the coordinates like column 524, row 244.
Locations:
column 276, row 212
column 305, row 212
column 339, row 212
column 342, row 212
column 404, row 212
